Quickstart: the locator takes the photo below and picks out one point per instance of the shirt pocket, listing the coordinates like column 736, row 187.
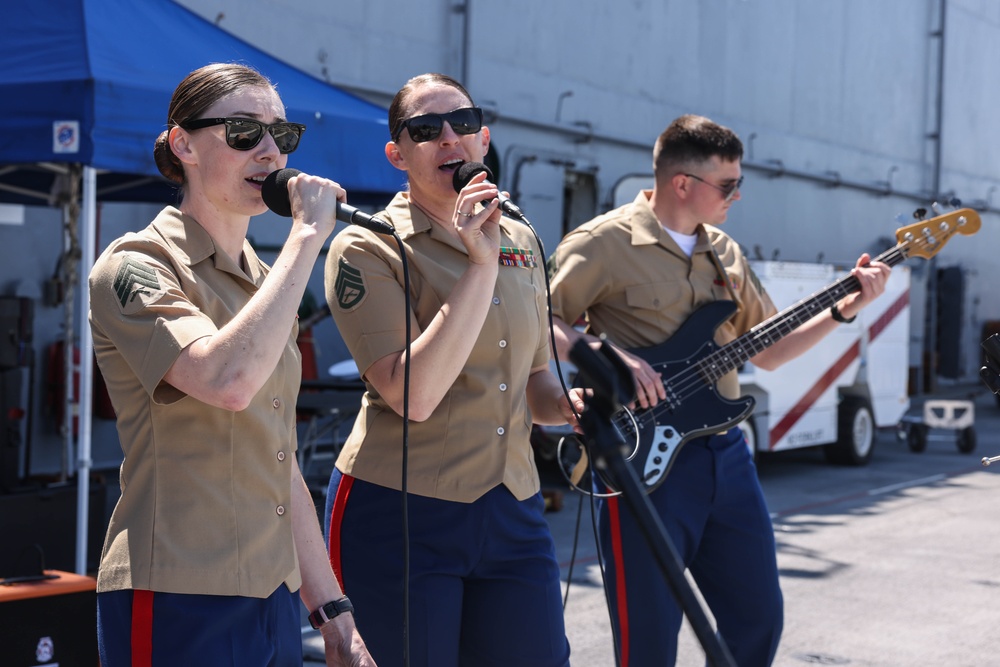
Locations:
column 658, row 296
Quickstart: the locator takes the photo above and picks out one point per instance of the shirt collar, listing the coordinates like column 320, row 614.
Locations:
column 191, row 243
column 647, row 230
column 410, row 220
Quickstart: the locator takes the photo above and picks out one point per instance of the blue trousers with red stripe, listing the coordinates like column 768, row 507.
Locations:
column 484, row 581
column 714, row 511
column 146, row 629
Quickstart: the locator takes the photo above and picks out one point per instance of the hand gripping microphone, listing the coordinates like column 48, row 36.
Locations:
column 274, row 191
column 465, row 173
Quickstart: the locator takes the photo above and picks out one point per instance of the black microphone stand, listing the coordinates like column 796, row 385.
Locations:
column 612, row 386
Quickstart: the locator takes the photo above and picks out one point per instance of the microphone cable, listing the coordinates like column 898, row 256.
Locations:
column 406, row 452
column 460, row 179
column 590, row 459
column 274, row 192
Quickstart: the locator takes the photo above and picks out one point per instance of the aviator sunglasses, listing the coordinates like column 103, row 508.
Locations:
column 468, row 120
column 245, row 133
column 728, row 192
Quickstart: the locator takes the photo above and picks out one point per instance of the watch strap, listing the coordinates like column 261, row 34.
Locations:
column 330, row 611
column 839, row 317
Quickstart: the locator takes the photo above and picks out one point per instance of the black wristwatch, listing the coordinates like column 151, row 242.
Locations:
column 330, row 611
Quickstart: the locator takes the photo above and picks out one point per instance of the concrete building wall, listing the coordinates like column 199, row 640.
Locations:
column 853, row 113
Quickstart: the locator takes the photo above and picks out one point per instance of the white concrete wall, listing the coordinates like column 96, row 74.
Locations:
column 845, row 87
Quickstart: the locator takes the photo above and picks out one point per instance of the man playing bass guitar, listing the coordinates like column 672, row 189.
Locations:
column 638, row 273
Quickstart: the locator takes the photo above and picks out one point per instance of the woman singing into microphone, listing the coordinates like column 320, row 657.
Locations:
column 484, row 582
column 215, row 532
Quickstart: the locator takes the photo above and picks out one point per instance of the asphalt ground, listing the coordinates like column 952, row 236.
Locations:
column 896, row 563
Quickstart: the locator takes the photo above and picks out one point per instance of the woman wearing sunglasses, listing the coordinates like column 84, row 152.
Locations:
column 215, row 531
column 483, row 579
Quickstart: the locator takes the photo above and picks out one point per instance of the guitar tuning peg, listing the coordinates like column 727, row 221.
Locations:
column 920, row 214
column 955, row 202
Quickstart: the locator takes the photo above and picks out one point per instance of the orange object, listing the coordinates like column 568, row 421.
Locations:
column 67, row 582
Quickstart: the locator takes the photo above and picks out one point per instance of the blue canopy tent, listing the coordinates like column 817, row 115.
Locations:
column 85, row 87
column 89, row 81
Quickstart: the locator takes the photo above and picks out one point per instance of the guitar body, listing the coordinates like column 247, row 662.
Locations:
column 693, row 407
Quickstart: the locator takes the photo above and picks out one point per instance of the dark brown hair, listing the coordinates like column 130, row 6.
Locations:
column 197, row 92
column 400, row 110
column 693, row 140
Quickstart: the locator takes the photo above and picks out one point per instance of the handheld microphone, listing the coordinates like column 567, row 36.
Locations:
column 465, row 173
column 275, row 194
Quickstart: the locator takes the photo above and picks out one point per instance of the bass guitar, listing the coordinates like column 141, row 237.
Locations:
column 690, row 363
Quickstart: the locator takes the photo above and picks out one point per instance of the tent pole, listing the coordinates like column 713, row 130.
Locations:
column 88, row 243
column 69, row 197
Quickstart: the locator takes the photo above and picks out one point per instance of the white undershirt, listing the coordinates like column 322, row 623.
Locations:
column 685, row 241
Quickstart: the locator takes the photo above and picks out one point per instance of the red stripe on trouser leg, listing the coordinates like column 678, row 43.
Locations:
column 142, row 628
column 336, row 520
column 616, row 549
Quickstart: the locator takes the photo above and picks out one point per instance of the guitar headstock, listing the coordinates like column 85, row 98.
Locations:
column 927, row 237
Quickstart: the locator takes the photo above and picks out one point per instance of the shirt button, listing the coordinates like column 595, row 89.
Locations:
column 276, row 403
column 281, row 456
column 503, row 386
column 496, row 301
column 503, row 343
column 500, row 431
column 280, row 510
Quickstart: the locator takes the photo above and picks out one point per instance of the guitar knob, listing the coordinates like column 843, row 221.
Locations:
column 657, row 460
column 669, row 432
column 662, row 446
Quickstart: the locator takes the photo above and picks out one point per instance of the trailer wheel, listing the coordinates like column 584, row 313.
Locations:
column 967, row 440
column 855, row 434
column 749, row 429
column 916, row 438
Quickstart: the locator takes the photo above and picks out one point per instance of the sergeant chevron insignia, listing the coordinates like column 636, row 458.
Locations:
column 350, row 286
column 133, row 278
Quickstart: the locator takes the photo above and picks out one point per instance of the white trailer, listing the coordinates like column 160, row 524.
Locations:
column 849, row 384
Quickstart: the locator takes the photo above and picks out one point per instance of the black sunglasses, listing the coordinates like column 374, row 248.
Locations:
column 468, row 120
column 245, row 133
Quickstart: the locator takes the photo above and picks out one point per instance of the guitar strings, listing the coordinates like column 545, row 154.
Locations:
column 697, row 377
column 702, row 373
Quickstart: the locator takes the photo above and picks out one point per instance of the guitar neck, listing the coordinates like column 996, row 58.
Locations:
column 734, row 354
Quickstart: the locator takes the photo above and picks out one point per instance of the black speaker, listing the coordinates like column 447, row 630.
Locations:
column 49, row 622
column 39, row 527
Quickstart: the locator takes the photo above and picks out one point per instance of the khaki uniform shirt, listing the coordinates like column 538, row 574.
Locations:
column 477, row 437
column 634, row 284
column 206, row 492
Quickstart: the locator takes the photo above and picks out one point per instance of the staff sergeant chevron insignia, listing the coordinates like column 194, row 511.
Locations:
column 134, row 278
column 350, row 286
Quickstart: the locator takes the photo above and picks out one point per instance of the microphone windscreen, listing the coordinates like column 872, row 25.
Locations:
column 274, row 191
column 465, row 173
